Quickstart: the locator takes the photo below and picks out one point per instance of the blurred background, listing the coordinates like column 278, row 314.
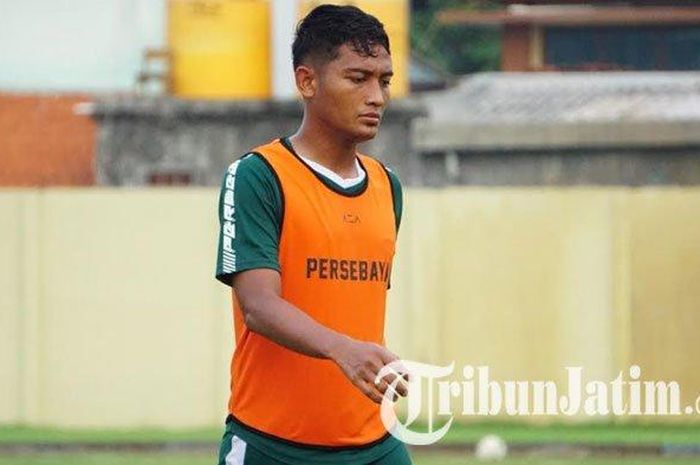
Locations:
column 550, row 155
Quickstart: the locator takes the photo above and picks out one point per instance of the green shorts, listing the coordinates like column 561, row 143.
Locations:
column 241, row 445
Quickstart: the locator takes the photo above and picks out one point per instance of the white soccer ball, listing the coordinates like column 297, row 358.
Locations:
column 491, row 448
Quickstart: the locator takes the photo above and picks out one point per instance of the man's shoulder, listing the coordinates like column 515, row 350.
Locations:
column 250, row 165
column 393, row 177
column 252, row 178
column 270, row 147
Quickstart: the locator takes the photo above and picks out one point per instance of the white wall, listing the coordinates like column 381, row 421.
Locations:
column 76, row 45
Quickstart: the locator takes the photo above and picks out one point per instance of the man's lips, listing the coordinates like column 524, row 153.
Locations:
column 371, row 115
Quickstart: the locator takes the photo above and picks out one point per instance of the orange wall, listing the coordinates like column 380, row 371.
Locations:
column 43, row 143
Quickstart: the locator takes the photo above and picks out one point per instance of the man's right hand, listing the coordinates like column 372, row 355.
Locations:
column 361, row 363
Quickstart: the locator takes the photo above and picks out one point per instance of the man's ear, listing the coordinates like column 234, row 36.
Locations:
column 306, row 80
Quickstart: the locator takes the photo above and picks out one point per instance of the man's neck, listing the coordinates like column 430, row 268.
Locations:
column 326, row 149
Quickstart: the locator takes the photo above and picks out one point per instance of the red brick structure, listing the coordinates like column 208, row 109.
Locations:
column 44, row 143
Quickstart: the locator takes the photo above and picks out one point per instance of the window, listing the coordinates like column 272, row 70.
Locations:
column 625, row 48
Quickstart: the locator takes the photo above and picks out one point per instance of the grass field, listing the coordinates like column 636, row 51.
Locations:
column 602, row 433
column 459, row 434
column 419, row 459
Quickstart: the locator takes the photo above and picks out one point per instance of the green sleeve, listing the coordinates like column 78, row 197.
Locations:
column 397, row 193
column 250, row 218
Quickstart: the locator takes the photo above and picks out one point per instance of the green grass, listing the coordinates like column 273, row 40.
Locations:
column 459, row 433
column 603, row 433
column 205, row 459
column 454, row 460
column 109, row 459
column 21, row 434
column 514, row 433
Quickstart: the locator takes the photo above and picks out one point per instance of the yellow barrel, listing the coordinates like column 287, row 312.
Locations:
column 219, row 48
column 395, row 15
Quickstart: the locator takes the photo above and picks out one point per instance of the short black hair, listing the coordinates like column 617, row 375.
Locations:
column 327, row 27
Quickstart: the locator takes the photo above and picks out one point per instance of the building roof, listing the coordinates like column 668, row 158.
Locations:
column 595, row 108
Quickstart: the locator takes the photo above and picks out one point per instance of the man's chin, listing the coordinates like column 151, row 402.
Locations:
column 365, row 134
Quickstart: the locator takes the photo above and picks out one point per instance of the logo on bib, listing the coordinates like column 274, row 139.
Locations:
column 351, row 218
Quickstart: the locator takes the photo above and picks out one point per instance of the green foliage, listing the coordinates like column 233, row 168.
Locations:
column 456, row 49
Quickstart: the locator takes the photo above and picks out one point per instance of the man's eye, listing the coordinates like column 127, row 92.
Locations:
column 386, row 83
column 357, row 80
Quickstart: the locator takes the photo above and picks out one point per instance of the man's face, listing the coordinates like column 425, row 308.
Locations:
column 352, row 92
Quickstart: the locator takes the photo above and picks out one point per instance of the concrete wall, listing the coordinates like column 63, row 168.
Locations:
column 110, row 315
column 140, row 137
column 631, row 166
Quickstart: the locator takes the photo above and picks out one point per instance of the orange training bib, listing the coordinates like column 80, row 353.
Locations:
column 335, row 253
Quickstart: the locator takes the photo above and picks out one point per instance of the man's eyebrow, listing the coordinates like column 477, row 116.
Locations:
column 367, row 71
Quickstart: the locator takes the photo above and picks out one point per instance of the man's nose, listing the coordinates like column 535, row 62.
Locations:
column 376, row 95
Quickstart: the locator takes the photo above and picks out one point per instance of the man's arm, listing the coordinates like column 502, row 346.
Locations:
column 267, row 314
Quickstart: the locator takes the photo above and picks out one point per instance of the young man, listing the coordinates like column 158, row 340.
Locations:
column 308, row 232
